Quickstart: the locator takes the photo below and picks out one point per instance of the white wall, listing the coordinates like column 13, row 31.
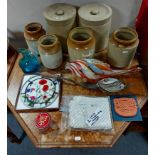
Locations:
column 21, row 12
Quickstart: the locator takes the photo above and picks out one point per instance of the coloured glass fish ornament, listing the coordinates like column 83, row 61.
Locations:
column 94, row 70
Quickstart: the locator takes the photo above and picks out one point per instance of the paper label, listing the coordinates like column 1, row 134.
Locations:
column 77, row 138
column 94, row 117
column 125, row 52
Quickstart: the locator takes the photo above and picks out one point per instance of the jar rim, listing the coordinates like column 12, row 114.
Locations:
column 85, row 30
column 32, row 28
column 126, row 30
column 47, row 38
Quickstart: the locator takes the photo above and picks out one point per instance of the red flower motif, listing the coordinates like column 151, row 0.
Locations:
column 44, row 96
column 45, row 88
column 32, row 97
column 42, row 82
column 32, row 89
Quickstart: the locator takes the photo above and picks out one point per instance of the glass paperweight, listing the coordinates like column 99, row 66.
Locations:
column 29, row 63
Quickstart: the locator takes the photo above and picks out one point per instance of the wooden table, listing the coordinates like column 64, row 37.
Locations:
column 54, row 138
column 11, row 58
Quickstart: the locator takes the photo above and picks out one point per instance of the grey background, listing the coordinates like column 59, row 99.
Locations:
column 21, row 12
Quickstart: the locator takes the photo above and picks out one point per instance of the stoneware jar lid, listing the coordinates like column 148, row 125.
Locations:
column 95, row 13
column 60, row 12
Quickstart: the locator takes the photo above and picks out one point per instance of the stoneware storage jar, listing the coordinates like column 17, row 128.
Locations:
column 60, row 19
column 32, row 32
column 97, row 16
column 81, row 43
column 50, row 51
column 122, row 47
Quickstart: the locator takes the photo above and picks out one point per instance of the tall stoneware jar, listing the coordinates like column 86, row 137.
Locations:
column 97, row 16
column 60, row 19
column 81, row 43
column 50, row 51
column 122, row 47
column 32, row 32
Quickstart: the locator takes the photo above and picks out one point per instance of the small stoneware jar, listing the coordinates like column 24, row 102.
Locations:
column 43, row 122
column 81, row 43
column 122, row 47
column 50, row 51
column 32, row 32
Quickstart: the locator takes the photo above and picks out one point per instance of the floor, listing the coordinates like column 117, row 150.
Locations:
column 133, row 143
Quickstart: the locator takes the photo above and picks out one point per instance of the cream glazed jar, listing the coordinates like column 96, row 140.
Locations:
column 32, row 33
column 97, row 16
column 50, row 51
column 81, row 43
column 60, row 19
column 123, row 44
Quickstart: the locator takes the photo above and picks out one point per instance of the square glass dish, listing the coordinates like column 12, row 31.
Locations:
column 38, row 92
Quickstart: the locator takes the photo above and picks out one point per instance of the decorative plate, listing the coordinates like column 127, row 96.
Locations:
column 38, row 92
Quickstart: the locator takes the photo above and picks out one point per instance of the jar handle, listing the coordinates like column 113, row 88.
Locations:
column 94, row 12
column 60, row 12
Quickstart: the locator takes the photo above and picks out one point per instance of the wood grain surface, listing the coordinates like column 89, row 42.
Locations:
column 11, row 58
column 66, row 138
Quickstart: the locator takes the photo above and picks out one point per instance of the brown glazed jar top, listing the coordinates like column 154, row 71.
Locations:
column 125, row 36
column 81, row 37
column 33, row 31
column 49, row 44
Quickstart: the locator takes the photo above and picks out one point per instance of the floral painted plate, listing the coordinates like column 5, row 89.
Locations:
column 38, row 92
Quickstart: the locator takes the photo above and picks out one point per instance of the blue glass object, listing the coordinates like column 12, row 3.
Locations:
column 29, row 63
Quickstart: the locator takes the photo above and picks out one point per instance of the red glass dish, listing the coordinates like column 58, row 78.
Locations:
column 43, row 121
